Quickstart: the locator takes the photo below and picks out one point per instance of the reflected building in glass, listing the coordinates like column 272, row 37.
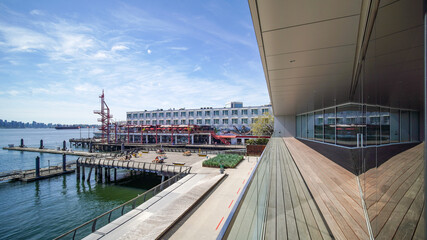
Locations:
column 347, row 85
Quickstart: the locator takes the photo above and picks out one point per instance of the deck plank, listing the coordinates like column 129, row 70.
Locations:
column 339, row 194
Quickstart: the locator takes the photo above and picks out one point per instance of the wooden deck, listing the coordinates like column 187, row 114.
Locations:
column 334, row 189
column 394, row 194
column 278, row 204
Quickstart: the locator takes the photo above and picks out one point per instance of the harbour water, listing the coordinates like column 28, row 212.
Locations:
column 47, row 208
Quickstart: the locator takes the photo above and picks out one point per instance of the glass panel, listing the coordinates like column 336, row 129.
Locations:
column 348, row 124
column 372, row 125
column 415, row 126
column 330, row 125
column 394, row 125
column 310, row 126
column 385, row 125
column 298, row 126
column 318, row 125
column 304, row 126
column 404, row 126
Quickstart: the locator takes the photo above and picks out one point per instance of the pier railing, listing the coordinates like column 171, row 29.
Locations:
column 105, row 218
column 132, row 165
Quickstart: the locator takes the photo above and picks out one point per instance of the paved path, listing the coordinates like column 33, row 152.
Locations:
column 206, row 221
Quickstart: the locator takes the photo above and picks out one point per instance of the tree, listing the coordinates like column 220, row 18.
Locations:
column 263, row 125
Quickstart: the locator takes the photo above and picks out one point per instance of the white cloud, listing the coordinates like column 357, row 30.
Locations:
column 96, row 71
column 119, row 48
column 197, row 68
column 179, row 48
column 101, row 55
column 36, row 12
column 149, row 51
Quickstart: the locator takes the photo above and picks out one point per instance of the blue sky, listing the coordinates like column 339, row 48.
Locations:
column 57, row 56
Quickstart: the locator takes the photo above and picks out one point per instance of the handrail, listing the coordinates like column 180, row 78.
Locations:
column 160, row 186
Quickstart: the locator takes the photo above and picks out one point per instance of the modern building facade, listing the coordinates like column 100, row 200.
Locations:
column 233, row 116
column 347, row 84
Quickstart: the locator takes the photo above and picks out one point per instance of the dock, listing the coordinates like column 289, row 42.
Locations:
column 53, row 151
column 31, row 175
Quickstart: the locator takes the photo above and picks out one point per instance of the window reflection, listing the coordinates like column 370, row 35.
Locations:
column 341, row 125
column 318, row 125
column 329, row 125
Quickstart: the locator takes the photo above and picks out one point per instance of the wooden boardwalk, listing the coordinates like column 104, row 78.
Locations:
column 394, row 194
column 278, row 204
column 334, row 189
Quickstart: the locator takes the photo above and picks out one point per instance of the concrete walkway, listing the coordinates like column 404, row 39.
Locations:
column 205, row 221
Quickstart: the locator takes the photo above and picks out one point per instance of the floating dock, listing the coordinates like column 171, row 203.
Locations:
column 31, row 175
column 53, row 151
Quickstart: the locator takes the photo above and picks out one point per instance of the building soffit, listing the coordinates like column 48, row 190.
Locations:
column 308, row 51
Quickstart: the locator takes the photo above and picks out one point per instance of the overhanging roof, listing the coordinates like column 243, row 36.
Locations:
column 308, row 50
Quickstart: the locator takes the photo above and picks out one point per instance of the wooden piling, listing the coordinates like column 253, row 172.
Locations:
column 83, row 173
column 90, row 173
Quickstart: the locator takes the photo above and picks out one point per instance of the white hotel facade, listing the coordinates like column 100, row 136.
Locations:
column 230, row 116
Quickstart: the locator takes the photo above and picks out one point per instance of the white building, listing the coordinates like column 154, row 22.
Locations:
column 234, row 115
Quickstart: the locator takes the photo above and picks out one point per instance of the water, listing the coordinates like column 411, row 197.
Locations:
column 47, row 208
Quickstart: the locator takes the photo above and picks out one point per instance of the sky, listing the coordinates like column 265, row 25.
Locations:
column 56, row 57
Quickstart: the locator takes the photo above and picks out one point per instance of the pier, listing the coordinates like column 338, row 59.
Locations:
column 38, row 173
column 53, row 151
column 106, row 165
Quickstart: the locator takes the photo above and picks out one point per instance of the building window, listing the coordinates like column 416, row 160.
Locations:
column 168, row 114
column 207, row 113
column 191, row 121
column 244, row 121
column 216, row 121
column 168, row 122
column 224, row 121
column 254, row 120
column 264, row 110
column 245, row 112
column 147, row 115
column 129, row 122
column 154, row 115
column 135, row 115
column 207, row 121
column 161, row 122
column 161, row 115
column 175, row 114
column 199, row 113
column 147, row 122
column 175, row 122
column 199, row 121
column 183, row 121
column 191, row 114
column 224, row 112
column 234, row 112
column 129, row 115
column 234, row 121
column 141, row 115
column 254, row 111
column 154, row 122
column 183, row 114
column 135, row 122
column 216, row 113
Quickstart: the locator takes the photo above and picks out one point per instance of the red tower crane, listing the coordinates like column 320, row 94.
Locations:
column 105, row 119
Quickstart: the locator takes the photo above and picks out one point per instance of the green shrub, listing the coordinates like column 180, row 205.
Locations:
column 227, row 160
column 258, row 141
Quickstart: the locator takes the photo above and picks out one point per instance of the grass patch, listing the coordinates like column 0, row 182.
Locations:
column 227, row 160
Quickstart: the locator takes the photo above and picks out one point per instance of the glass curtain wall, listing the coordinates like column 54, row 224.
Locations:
column 340, row 125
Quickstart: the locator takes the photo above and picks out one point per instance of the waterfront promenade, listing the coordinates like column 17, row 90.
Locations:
column 197, row 204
